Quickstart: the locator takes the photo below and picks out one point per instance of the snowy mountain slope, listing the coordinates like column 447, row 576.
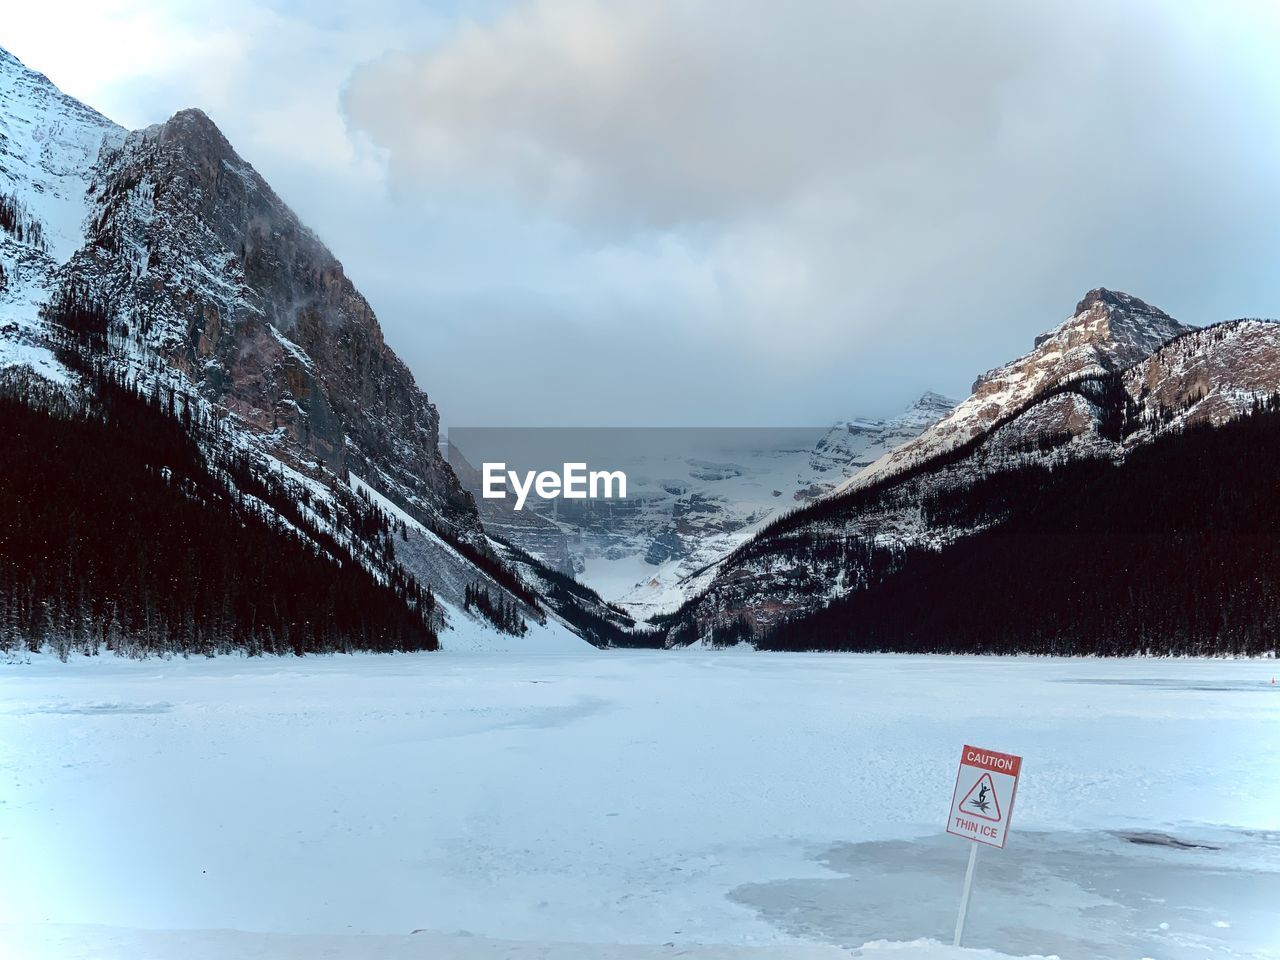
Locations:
column 1108, row 331
column 49, row 145
column 1205, row 376
column 423, row 553
column 162, row 256
column 1093, row 388
column 694, row 495
column 196, row 261
column 1171, row 549
column 854, row 445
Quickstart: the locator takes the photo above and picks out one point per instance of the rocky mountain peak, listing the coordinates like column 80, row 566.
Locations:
column 203, row 268
column 194, row 119
column 929, row 409
column 193, row 131
column 932, row 402
column 1115, row 300
column 1063, row 402
column 1120, row 325
column 1109, row 331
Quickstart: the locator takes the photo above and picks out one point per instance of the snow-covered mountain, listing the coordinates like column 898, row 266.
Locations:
column 162, row 255
column 695, row 495
column 1108, row 331
column 49, row 144
column 154, row 278
column 852, row 446
column 1113, row 378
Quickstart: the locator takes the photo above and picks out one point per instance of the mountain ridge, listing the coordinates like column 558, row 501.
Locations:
column 1106, row 332
column 1051, row 407
column 156, row 269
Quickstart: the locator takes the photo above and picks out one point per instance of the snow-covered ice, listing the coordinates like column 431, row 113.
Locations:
column 631, row 805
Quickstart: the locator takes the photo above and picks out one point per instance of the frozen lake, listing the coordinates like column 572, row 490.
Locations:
column 791, row 803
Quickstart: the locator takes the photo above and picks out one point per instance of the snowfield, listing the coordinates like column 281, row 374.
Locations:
column 631, row 806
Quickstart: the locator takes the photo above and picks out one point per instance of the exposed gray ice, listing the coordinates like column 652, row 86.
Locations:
column 1088, row 894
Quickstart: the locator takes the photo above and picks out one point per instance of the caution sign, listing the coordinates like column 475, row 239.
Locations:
column 982, row 804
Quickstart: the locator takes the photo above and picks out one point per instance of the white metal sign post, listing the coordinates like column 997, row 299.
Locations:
column 981, row 807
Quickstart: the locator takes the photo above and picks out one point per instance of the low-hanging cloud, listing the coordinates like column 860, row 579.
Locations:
column 861, row 173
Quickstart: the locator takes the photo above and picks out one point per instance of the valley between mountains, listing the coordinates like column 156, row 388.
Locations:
column 191, row 389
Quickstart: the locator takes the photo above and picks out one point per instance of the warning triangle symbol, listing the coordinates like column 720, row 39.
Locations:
column 981, row 800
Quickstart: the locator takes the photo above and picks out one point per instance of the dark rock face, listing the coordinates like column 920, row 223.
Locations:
column 202, row 264
column 664, row 547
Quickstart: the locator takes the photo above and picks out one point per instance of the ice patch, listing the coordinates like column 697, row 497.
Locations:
column 1078, row 894
column 100, row 709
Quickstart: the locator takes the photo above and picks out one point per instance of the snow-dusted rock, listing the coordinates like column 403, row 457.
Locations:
column 1115, row 375
column 208, row 287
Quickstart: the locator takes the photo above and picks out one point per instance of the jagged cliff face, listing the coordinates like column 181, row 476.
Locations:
column 1114, row 376
column 1208, row 375
column 200, row 264
column 206, row 273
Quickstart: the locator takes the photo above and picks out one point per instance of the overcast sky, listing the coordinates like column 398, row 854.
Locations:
column 725, row 212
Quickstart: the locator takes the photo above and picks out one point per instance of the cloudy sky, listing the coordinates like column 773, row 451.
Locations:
column 725, row 212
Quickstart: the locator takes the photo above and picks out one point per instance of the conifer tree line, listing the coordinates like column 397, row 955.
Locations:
column 599, row 623
column 81, row 314
column 484, row 559
column 95, row 328
column 16, row 221
column 1174, row 551
column 123, row 532
column 501, row 612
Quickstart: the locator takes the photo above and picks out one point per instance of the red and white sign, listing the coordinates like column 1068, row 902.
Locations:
column 982, row 804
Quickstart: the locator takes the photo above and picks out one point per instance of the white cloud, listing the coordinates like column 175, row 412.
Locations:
column 843, row 168
column 725, row 211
